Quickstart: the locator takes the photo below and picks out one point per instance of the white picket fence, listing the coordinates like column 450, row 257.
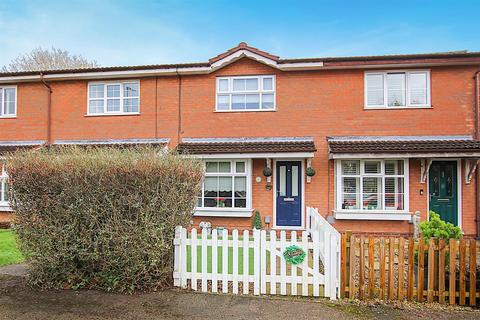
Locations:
column 254, row 262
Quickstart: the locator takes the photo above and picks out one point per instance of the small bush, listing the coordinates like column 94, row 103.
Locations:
column 101, row 218
column 257, row 221
column 437, row 228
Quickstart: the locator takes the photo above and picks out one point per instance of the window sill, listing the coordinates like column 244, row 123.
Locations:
column 243, row 111
column 374, row 215
column 398, row 108
column 8, row 117
column 5, row 208
column 113, row 114
column 223, row 212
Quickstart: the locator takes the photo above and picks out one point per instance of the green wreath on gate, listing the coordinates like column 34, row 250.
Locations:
column 294, row 255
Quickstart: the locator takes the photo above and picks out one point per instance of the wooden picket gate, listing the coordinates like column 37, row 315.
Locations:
column 254, row 263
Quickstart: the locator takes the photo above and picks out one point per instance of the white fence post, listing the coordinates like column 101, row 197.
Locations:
column 263, row 262
column 256, row 262
column 273, row 262
column 293, row 240
column 246, row 261
column 235, row 262
column 215, row 268
column 177, row 274
column 204, row 260
column 183, row 259
column 283, row 264
column 225, row 261
column 194, row 258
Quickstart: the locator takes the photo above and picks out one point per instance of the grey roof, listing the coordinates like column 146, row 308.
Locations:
column 247, row 139
column 398, row 138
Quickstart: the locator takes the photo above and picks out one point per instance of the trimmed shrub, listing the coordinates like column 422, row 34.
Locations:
column 257, row 221
column 437, row 228
column 101, row 218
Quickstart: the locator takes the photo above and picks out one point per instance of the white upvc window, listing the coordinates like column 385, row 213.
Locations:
column 397, row 89
column 8, row 101
column 226, row 186
column 3, row 187
column 373, row 185
column 113, row 98
column 246, row 93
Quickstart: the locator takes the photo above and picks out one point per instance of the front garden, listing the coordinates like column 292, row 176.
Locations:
column 9, row 253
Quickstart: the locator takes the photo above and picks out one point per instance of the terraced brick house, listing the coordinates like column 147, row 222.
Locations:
column 386, row 136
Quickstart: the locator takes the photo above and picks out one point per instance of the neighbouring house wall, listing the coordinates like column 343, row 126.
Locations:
column 31, row 120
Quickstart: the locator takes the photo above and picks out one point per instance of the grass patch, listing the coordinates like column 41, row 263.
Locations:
column 220, row 260
column 9, row 253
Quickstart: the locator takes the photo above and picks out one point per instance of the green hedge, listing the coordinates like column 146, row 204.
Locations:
column 101, row 218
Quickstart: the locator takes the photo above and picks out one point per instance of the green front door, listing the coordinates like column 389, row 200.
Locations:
column 443, row 190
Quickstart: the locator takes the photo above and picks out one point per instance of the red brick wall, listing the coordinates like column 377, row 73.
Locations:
column 309, row 103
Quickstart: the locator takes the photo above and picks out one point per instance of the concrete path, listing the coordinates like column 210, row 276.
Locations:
column 18, row 270
column 17, row 301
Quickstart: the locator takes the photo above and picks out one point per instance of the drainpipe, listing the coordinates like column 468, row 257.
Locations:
column 477, row 137
column 179, row 127
column 49, row 110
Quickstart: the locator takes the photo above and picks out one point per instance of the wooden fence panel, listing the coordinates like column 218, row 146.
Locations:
column 441, row 271
column 411, row 266
column 391, row 262
column 451, row 285
column 351, row 281
column 421, row 270
column 382, row 268
column 401, row 265
column 343, row 265
column 361, row 275
column 371, row 267
column 462, row 284
column 431, row 270
column 411, row 269
column 473, row 273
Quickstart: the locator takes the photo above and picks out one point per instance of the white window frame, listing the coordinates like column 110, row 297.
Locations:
column 121, row 98
column 229, row 211
column 2, row 104
column 4, row 205
column 381, row 214
column 407, row 90
column 260, row 92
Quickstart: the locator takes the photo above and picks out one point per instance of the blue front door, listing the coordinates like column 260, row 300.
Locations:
column 289, row 194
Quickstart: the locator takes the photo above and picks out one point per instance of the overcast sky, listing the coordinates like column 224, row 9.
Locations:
column 155, row 32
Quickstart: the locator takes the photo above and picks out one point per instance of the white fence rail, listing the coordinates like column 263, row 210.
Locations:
column 253, row 262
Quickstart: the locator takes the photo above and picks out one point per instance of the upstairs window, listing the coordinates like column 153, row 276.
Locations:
column 397, row 89
column 113, row 98
column 247, row 93
column 8, row 102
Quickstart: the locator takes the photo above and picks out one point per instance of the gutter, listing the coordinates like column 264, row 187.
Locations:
column 49, row 110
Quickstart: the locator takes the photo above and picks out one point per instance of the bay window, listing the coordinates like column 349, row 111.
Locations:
column 372, row 185
column 397, row 89
column 113, row 98
column 246, row 93
column 226, row 186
